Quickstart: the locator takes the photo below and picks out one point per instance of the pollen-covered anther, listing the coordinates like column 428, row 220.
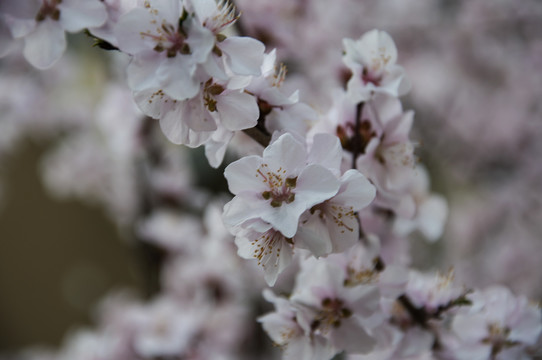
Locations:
column 49, row 9
column 332, row 313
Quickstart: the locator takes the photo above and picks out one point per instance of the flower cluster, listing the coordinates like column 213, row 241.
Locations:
column 325, row 197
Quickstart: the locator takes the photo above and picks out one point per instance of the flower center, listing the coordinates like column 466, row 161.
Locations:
column 170, row 39
column 265, row 245
column 371, row 77
column 49, row 9
column 211, row 90
column 332, row 313
column 280, row 187
column 498, row 338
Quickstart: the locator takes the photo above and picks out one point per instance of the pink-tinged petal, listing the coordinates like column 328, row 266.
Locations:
column 214, row 68
column 244, row 55
column 527, row 326
column 284, row 218
column 355, row 89
column 45, row 45
column 141, row 72
column 242, row 175
column 343, row 227
column 326, row 150
column 315, row 184
column 286, row 152
column 195, row 115
column 75, row 15
column 356, row 190
column 129, row 30
column 237, row 110
column 313, row 235
column 470, row 328
column 153, row 103
column 6, row 39
column 216, row 147
column 295, row 119
column 386, row 46
column 276, row 259
column 204, row 9
column 352, row 337
column 178, row 132
column 392, row 281
column 176, row 78
column 169, row 10
column 383, row 108
column 280, row 328
column 20, row 27
column 472, row 352
column 241, row 209
column 432, row 215
column 394, row 83
column 201, row 41
column 309, row 348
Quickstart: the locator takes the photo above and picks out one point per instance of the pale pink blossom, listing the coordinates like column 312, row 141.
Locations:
column 277, row 187
column 283, row 328
column 326, row 307
column 333, row 226
column 43, row 23
column 498, row 325
column 372, row 60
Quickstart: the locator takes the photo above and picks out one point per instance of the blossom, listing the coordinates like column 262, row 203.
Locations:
column 43, row 23
column 283, row 328
column 432, row 291
column 166, row 45
column 431, row 209
column 272, row 249
column 214, row 104
column 327, row 308
column 231, row 54
column 333, row 226
column 498, row 325
column 372, row 59
column 278, row 186
column 388, row 159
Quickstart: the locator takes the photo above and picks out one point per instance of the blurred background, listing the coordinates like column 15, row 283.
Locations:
column 476, row 73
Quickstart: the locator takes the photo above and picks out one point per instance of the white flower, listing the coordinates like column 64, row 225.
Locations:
column 277, row 187
column 214, row 105
column 168, row 328
column 231, row 54
column 283, row 328
column 497, row 323
column 167, row 45
column 42, row 24
column 388, row 159
column 431, row 210
column 332, row 226
column 328, row 308
column 432, row 291
column 267, row 245
column 372, row 59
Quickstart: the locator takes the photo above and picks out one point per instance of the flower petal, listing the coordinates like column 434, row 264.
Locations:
column 45, row 45
column 75, row 15
column 237, row 110
column 244, row 54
